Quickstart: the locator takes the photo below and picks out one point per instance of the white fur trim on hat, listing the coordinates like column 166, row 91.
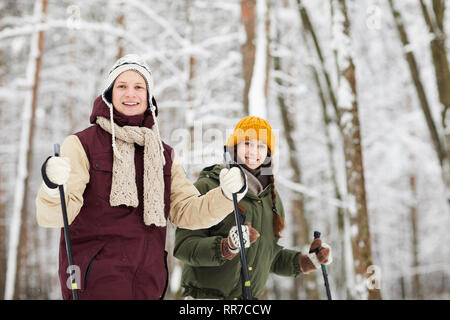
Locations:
column 131, row 62
column 126, row 67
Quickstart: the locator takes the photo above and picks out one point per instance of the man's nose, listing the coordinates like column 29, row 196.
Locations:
column 130, row 93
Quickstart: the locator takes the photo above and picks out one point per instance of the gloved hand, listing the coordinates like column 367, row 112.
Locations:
column 230, row 246
column 55, row 172
column 232, row 181
column 312, row 261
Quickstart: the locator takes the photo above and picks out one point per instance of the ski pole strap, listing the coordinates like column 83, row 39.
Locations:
column 47, row 181
column 230, row 164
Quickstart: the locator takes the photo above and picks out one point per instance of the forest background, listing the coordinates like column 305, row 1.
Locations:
column 357, row 92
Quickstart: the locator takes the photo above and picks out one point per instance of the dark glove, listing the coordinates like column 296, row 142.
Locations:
column 320, row 254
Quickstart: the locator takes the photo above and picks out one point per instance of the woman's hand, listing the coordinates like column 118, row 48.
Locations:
column 232, row 181
column 230, row 246
column 320, row 254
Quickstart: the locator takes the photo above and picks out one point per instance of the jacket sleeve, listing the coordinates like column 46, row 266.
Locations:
column 197, row 247
column 189, row 209
column 286, row 263
column 48, row 208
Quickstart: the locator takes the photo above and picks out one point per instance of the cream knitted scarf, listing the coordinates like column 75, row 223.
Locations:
column 123, row 188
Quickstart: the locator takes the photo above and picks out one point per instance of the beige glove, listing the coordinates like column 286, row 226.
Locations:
column 231, row 181
column 58, row 170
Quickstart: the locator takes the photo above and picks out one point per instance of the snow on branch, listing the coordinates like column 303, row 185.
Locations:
column 297, row 187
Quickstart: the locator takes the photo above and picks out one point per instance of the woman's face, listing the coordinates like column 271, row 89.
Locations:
column 129, row 94
column 252, row 153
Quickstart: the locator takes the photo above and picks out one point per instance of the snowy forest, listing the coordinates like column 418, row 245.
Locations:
column 357, row 92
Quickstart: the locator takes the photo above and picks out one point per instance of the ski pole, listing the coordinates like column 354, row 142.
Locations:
column 324, row 269
column 67, row 234
column 240, row 218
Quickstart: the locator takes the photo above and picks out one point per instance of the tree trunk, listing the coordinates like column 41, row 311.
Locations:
column 308, row 29
column 248, row 48
column 442, row 72
column 121, row 23
column 350, row 125
column 415, row 236
column 18, row 232
column 307, row 25
column 2, row 248
column 190, row 89
column 2, row 219
column 260, row 81
column 414, row 69
column 301, row 231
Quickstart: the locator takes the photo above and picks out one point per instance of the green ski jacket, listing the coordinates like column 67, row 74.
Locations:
column 206, row 274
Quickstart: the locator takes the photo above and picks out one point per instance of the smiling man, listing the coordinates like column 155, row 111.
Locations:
column 129, row 96
column 122, row 184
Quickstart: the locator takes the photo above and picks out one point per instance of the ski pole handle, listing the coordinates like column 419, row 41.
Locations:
column 227, row 157
column 56, row 149
column 324, row 269
column 316, row 236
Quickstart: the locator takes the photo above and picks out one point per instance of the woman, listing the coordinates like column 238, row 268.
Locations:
column 122, row 183
column 212, row 268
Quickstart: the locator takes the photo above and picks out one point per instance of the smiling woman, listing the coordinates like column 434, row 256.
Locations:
column 129, row 95
column 211, row 269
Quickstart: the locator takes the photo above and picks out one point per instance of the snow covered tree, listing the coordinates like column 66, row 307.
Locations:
column 248, row 13
column 441, row 64
column 348, row 115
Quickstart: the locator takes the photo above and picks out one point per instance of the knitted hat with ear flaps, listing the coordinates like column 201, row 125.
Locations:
column 250, row 128
column 129, row 62
column 135, row 63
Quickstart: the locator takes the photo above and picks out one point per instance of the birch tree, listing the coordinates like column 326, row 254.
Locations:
column 17, row 240
column 2, row 249
column 2, row 213
column 348, row 114
column 248, row 48
column 258, row 86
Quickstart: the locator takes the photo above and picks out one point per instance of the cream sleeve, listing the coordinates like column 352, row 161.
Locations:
column 48, row 208
column 190, row 210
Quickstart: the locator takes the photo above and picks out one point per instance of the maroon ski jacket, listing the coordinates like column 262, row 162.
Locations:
column 118, row 255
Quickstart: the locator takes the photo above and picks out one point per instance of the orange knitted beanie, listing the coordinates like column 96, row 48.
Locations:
column 250, row 128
